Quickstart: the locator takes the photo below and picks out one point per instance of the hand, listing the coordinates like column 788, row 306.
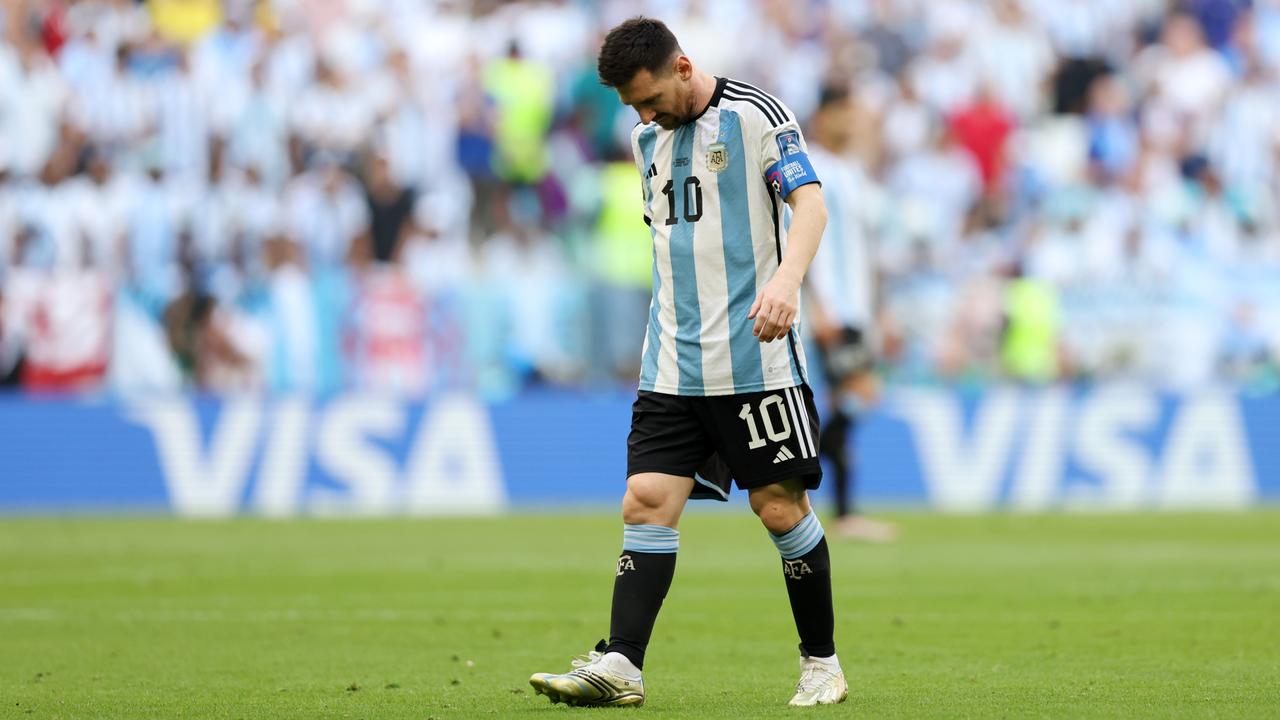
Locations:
column 826, row 333
column 775, row 308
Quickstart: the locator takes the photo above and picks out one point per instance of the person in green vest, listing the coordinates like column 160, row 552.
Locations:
column 1029, row 347
column 523, row 93
column 622, row 268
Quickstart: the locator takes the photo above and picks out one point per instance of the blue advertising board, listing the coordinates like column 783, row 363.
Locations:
column 1109, row 446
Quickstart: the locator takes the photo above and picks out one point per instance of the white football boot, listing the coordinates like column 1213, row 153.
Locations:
column 821, row 683
column 597, row 679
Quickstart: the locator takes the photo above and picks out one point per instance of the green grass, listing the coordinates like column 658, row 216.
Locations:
column 1112, row 616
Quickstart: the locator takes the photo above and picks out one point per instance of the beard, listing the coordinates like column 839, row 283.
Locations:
column 669, row 121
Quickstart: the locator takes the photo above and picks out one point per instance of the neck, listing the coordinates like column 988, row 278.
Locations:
column 704, row 86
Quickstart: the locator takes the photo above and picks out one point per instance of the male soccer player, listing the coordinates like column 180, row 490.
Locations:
column 722, row 395
column 840, row 304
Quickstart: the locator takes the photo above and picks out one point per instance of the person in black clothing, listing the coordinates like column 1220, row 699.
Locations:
column 390, row 209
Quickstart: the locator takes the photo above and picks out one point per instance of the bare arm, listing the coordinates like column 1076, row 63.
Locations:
column 778, row 301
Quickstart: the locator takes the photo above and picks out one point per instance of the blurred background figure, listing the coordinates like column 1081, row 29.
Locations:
column 430, row 196
column 841, row 302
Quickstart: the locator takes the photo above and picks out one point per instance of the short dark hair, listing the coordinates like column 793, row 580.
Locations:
column 833, row 93
column 640, row 43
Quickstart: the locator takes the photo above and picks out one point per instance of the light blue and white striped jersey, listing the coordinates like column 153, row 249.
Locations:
column 714, row 192
column 841, row 273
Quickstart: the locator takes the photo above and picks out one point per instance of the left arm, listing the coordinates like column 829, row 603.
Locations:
column 778, row 301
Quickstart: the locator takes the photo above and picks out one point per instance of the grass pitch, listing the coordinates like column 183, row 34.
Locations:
column 1111, row 616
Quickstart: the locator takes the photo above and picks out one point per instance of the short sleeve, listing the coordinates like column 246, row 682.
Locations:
column 784, row 158
column 638, row 156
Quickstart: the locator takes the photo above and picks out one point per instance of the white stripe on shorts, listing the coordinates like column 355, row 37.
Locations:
column 795, row 422
column 803, row 422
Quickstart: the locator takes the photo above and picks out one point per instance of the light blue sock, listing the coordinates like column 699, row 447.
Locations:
column 650, row 539
column 799, row 540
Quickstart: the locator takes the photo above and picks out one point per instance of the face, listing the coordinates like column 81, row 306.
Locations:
column 833, row 125
column 1182, row 35
column 662, row 98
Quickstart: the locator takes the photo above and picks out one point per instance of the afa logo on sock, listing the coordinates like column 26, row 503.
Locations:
column 625, row 564
column 793, row 569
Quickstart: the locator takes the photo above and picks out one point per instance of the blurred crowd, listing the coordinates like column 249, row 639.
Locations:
column 416, row 195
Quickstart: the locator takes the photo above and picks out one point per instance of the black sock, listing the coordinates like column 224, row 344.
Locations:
column 645, row 569
column 806, row 565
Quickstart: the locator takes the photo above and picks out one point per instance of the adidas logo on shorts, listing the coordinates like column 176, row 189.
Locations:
column 783, row 455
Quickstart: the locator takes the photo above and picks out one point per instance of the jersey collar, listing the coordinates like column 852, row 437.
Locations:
column 715, row 99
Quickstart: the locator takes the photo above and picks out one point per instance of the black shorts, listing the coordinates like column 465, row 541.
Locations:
column 753, row 439
column 850, row 356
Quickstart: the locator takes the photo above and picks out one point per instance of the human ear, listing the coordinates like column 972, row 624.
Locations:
column 683, row 67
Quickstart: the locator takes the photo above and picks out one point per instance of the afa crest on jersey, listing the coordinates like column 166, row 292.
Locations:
column 717, row 157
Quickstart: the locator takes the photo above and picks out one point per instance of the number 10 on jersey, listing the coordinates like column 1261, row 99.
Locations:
column 692, row 200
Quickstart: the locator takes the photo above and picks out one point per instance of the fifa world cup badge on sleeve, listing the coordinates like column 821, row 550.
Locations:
column 717, row 157
column 789, row 143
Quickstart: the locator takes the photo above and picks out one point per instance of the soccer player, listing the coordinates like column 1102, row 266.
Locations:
column 723, row 395
column 840, row 305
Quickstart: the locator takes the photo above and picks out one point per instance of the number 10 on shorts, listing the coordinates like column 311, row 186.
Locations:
column 770, row 430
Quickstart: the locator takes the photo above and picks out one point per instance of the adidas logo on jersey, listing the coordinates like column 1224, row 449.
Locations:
column 783, row 455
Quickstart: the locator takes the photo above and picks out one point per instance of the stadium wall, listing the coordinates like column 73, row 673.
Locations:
column 1111, row 446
